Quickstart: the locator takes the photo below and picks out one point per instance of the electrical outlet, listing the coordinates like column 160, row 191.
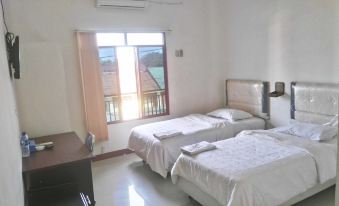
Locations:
column 179, row 53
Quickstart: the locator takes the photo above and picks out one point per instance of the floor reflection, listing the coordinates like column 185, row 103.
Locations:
column 134, row 198
column 126, row 181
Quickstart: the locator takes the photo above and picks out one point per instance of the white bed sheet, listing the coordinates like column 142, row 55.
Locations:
column 259, row 168
column 161, row 155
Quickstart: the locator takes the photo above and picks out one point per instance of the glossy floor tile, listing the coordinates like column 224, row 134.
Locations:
column 126, row 181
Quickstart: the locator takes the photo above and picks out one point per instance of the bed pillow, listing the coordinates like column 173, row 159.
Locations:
column 230, row 114
column 309, row 131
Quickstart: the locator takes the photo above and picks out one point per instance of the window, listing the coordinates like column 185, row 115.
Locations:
column 134, row 75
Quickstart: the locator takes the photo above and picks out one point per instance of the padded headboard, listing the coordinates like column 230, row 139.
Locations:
column 314, row 102
column 248, row 95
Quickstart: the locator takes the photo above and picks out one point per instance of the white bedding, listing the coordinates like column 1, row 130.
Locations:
column 161, row 154
column 259, row 168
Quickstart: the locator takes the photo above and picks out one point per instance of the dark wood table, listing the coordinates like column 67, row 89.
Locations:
column 57, row 176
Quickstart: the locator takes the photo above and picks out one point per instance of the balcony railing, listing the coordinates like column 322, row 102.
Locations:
column 112, row 105
column 153, row 104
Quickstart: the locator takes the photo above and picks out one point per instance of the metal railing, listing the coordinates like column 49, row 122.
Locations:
column 112, row 105
column 153, row 104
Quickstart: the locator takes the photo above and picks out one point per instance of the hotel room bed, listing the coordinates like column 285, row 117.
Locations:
column 266, row 167
column 250, row 96
column 161, row 154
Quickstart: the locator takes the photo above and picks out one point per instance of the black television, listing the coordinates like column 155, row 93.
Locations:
column 12, row 43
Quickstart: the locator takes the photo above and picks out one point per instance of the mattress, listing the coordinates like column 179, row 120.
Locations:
column 258, row 168
column 161, row 155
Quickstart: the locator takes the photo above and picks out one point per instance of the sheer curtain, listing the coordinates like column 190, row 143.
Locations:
column 92, row 85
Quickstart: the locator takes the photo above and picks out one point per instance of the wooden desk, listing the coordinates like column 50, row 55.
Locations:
column 58, row 174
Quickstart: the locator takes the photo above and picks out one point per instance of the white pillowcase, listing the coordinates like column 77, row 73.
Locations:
column 309, row 131
column 230, row 114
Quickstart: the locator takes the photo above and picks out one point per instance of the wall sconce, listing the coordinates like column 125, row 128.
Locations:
column 279, row 90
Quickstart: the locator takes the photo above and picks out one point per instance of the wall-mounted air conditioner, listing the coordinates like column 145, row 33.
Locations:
column 123, row 4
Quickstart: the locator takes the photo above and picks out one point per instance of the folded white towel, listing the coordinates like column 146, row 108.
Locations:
column 197, row 148
column 167, row 134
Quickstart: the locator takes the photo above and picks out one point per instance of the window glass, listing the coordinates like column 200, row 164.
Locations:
column 109, row 68
column 130, row 106
column 110, row 39
column 151, row 68
column 145, row 38
column 134, row 76
column 107, row 57
column 127, row 68
column 152, row 80
column 128, row 82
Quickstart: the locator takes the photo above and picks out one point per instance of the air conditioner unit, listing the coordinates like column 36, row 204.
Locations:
column 123, row 4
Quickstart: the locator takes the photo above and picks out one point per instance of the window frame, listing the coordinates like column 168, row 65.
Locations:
column 139, row 85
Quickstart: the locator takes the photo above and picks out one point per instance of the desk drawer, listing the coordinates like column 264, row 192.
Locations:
column 61, row 195
column 50, row 177
column 76, row 176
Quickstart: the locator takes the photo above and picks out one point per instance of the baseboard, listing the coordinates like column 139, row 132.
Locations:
column 112, row 154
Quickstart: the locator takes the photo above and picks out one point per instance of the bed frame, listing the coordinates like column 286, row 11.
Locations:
column 248, row 95
column 314, row 102
column 310, row 102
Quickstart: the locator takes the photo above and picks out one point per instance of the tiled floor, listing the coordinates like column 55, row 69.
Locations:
column 126, row 181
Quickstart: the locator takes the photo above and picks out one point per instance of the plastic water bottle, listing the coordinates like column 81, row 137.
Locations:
column 24, row 145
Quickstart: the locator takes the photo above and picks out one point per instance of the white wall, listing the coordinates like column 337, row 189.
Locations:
column 280, row 40
column 336, row 65
column 50, row 94
column 11, row 186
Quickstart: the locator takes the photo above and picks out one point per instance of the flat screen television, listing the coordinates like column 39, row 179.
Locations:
column 12, row 43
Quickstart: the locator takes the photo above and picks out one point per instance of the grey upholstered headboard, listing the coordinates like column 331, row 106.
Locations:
column 248, row 95
column 314, row 102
